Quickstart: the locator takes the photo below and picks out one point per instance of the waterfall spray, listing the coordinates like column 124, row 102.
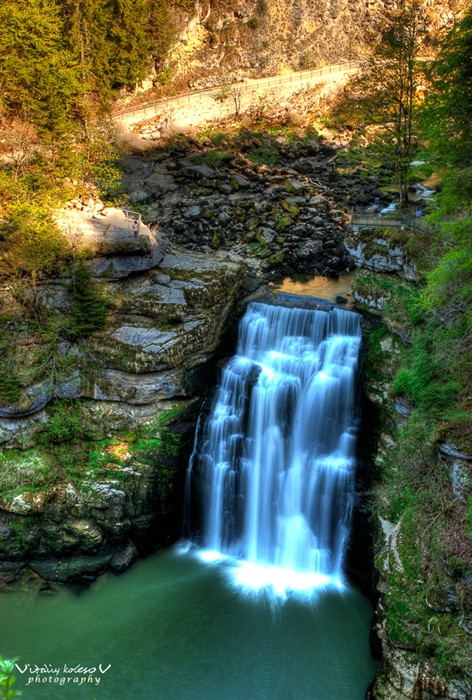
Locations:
column 275, row 463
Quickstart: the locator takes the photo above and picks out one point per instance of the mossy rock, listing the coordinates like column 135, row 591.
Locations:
column 291, row 209
column 276, row 259
column 253, row 224
column 294, row 188
column 264, row 253
column 260, row 238
column 283, row 223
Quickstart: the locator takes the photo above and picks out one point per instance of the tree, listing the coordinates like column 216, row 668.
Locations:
column 39, row 81
column 447, row 127
column 233, row 90
column 110, row 42
column 90, row 308
column 385, row 93
column 31, row 247
column 19, row 143
column 448, row 108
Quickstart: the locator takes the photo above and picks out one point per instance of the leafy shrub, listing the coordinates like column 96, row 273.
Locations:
column 421, row 380
column 254, row 22
column 64, row 423
column 7, row 679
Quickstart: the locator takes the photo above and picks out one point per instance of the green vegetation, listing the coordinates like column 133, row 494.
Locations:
column 419, row 360
column 9, row 386
column 56, row 55
column 74, row 448
column 385, row 95
column 264, row 153
column 64, row 423
column 434, row 373
column 40, row 79
column 448, row 110
column 90, row 308
column 7, row 679
column 62, row 63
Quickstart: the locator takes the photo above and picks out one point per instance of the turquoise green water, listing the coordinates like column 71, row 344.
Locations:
column 175, row 628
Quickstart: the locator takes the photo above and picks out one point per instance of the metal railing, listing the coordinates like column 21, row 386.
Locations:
column 130, row 214
column 187, row 98
column 418, row 224
column 133, row 219
column 361, row 218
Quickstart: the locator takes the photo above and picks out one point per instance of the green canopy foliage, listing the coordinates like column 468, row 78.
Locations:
column 39, row 79
column 31, row 246
column 447, row 113
column 109, row 40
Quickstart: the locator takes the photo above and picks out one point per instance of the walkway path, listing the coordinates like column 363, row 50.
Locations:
column 205, row 105
column 360, row 218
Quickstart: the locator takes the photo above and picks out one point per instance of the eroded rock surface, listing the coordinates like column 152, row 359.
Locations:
column 93, row 459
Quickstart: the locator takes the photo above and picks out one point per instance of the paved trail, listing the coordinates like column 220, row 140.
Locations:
column 195, row 108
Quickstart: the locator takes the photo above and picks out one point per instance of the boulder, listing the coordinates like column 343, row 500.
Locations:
column 138, row 196
column 193, row 213
column 123, row 559
column 294, row 186
column 71, row 568
column 310, row 249
column 196, row 172
column 240, row 182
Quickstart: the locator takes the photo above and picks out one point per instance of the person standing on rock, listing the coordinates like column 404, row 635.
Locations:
column 135, row 228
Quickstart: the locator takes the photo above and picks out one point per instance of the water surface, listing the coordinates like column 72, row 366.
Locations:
column 174, row 628
column 320, row 287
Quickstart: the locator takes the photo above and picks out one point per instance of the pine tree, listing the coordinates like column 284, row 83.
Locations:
column 9, row 386
column 39, row 81
column 110, row 42
column 90, row 309
column 448, row 108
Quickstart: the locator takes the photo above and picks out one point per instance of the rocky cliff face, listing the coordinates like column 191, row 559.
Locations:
column 93, row 457
column 423, row 553
column 254, row 37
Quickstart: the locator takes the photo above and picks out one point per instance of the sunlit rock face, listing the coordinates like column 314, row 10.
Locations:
column 264, row 36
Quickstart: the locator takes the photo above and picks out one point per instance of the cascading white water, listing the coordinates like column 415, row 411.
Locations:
column 275, row 464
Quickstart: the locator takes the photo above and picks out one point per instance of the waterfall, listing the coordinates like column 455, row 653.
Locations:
column 274, row 466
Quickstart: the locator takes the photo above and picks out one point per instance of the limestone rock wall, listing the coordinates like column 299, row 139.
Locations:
column 267, row 36
column 422, row 548
column 93, row 457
